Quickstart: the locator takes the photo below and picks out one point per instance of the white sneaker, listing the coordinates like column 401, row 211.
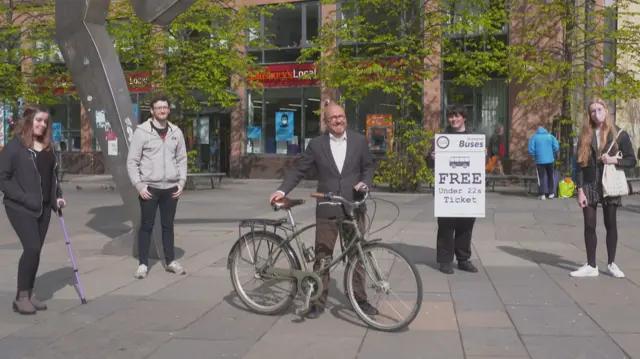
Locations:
column 141, row 272
column 614, row 271
column 176, row 268
column 551, row 196
column 542, row 198
column 585, row 271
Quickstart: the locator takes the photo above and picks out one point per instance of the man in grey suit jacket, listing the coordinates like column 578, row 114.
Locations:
column 344, row 165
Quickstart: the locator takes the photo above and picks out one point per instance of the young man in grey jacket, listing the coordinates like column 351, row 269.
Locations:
column 157, row 166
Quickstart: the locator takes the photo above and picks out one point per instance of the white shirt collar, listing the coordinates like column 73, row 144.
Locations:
column 334, row 138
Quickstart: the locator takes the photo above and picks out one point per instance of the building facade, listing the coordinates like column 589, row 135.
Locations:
column 271, row 126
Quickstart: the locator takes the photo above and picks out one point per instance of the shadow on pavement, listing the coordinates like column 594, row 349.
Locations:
column 339, row 310
column 206, row 220
column 541, row 257
column 112, row 221
column 418, row 254
column 122, row 246
column 634, row 208
column 47, row 284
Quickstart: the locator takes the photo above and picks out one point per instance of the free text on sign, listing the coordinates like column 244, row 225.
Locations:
column 460, row 175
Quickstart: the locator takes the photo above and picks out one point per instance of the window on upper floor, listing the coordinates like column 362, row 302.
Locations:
column 476, row 17
column 287, row 29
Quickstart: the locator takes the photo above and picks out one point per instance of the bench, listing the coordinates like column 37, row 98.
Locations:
column 191, row 184
column 491, row 179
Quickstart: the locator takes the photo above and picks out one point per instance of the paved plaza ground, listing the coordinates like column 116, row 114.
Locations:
column 522, row 303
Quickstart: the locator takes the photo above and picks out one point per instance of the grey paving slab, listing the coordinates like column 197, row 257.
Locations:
column 493, row 342
column 567, row 347
column 475, row 296
column 100, row 343
column 414, row 344
column 630, row 343
column 226, row 322
column 18, row 347
column 535, row 294
column 304, row 346
column 549, row 320
column 202, row 349
column 521, row 304
column 615, row 318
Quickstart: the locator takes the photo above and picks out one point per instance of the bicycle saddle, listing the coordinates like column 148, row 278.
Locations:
column 287, row 203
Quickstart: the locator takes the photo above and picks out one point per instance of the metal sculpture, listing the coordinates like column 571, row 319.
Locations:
column 99, row 79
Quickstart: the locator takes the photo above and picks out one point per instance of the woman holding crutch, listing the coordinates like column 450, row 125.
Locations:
column 29, row 181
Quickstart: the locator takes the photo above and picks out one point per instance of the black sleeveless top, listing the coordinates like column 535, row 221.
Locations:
column 45, row 160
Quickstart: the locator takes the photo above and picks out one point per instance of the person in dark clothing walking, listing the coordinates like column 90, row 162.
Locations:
column 454, row 234
column 29, row 181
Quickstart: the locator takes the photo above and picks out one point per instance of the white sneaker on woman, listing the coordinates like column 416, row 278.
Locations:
column 614, row 271
column 585, row 271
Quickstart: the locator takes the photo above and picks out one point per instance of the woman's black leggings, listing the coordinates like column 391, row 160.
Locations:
column 31, row 231
column 590, row 238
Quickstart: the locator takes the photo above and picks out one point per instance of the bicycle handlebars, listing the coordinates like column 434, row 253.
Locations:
column 335, row 199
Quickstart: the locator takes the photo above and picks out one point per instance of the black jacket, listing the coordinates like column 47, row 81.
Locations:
column 358, row 167
column 587, row 174
column 20, row 179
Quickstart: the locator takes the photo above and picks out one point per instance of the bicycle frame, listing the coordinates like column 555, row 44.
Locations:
column 355, row 241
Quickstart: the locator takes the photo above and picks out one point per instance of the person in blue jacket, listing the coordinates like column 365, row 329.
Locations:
column 544, row 146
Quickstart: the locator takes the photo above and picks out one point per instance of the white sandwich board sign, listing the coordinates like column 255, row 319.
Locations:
column 459, row 175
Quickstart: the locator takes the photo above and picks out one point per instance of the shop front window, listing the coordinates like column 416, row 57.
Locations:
column 376, row 103
column 283, row 114
column 282, row 121
column 374, row 116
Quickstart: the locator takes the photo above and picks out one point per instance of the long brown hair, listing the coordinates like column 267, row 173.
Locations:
column 24, row 128
column 586, row 133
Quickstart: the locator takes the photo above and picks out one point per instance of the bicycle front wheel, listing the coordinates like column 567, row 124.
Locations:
column 374, row 280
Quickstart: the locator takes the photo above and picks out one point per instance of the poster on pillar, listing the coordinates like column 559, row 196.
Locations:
column 112, row 143
column 459, row 175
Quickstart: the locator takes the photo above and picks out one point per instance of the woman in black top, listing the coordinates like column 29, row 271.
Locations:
column 596, row 137
column 29, row 181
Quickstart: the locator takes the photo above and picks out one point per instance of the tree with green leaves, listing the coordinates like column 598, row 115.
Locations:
column 205, row 56
column 25, row 29
column 196, row 57
column 570, row 51
column 393, row 47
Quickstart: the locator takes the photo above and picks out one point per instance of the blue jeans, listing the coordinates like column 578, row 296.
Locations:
column 545, row 179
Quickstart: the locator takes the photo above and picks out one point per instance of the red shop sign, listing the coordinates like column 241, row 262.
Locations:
column 285, row 75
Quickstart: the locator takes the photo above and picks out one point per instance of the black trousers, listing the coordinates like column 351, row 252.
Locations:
column 31, row 231
column 160, row 198
column 454, row 237
column 609, row 212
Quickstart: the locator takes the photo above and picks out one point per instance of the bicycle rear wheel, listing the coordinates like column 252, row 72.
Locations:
column 253, row 250
column 407, row 286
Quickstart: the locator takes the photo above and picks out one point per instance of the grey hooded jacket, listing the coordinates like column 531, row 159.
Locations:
column 155, row 162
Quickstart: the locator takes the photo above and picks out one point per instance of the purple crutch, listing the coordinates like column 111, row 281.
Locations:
column 73, row 262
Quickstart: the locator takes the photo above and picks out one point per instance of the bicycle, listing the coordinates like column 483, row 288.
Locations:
column 308, row 283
